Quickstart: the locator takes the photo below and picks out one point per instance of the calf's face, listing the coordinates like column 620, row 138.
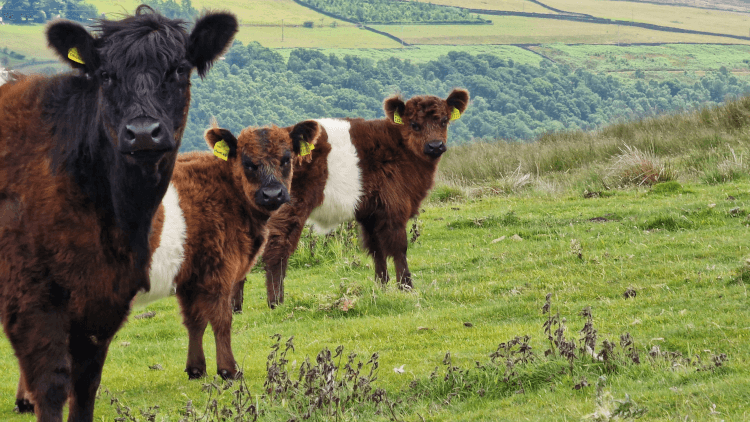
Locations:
column 262, row 159
column 138, row 70
column 423, row 120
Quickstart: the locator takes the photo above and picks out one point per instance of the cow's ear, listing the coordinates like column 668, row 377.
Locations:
column 459, row 99
column 73, row 43
column 302, row 133
column 394, row 109
column 222, row 142
column 211, row 35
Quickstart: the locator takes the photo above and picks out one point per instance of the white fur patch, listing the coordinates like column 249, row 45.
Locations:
column 344, row 185
column 4, row 76
column 168, row 257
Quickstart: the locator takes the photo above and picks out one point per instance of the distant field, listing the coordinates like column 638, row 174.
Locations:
column 522, row 30
column 267, row 11
column 341, row 37
column 115, row 6
column 426, row 53
column 673, row 57
column 675, row 16
column 510, row 5
column 28, row 40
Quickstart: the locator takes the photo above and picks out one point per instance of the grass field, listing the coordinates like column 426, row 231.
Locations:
column 733, row 23
column 665, row 263
column 27, row 40
column 522, row 30
column 509, row 5
column 671, row 57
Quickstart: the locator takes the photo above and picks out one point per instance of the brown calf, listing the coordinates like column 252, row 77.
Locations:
column 376, row 171
column 85, row 159
column 211, row 228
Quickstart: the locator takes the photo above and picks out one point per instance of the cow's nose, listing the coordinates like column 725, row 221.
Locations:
column 272, row 197
column 145, row 135
column 435, row 148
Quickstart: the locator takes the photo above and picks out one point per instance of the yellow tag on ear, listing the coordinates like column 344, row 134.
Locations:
column 397, row 119
column 305, row 148
column 74, row 55
column 221, row 150
column 455, row 114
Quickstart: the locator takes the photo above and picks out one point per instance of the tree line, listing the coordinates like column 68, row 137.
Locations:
column 40, row 11
column 388, row 11
column 255, row 85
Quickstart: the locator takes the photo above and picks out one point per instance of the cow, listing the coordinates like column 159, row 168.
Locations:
column 375, row 171
column 211, row 227
column 85, row 159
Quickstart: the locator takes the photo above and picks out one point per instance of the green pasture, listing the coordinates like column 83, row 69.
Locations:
column 671, row 15
column 668, row 57
column 509, row 5
column 689, row 300
column 28, row 40
column 523, row 30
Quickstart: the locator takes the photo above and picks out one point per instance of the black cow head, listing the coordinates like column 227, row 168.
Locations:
column 423, row 120
column 139, row 68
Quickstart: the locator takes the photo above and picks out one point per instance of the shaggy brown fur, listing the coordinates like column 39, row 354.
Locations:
column 77, row 199
column 397, row 163
column 226, row 205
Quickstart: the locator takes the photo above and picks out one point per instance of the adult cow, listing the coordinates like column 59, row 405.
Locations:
column 376, row 171
column 85, row 159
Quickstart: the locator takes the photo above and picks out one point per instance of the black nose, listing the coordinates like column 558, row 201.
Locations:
column 435, row 148
column 145, row 135
column 272, row 197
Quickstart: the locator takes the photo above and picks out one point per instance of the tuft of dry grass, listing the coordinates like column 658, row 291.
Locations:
column 640, row 168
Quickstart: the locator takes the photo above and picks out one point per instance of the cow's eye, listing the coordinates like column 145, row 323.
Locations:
column 181, row 70
column 249, row 164
column 285, row 161
column 106, row 78
column 444, row 121
column 415, row 126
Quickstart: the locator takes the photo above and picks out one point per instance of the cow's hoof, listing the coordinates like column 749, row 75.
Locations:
column 195, row 373
column 229, row 375
column 24, row 406
column 237, row 310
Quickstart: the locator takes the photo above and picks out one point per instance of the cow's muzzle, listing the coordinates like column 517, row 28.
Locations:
column 145, row 138
column 272, row 196
column 435, row 149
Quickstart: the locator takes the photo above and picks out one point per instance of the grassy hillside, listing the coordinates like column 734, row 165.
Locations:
column 566, row 216
column 523, row 30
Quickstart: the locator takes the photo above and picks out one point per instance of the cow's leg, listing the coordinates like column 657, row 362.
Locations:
column 88, row 354
column 373, row 243
column 23, row 404
column 40, row 339
column 238, row 296
column 280, row 246
column 220, row 317
column 195, row 320
column 395, row 243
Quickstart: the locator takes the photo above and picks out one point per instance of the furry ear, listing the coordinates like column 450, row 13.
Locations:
column 394, row 108
column 216, row 134
column 459, row 99
column 307, row 131
column 211, row 36
column 73, row 44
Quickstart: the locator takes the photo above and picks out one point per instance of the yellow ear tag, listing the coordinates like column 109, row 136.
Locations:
column 455, row 114
column 397, row 119
column 221, row 150
column 74, row 55
column 305, row 148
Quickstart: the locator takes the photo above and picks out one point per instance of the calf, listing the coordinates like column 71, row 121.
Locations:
column 211, row 228
column 85, row 159
column 376, row 171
